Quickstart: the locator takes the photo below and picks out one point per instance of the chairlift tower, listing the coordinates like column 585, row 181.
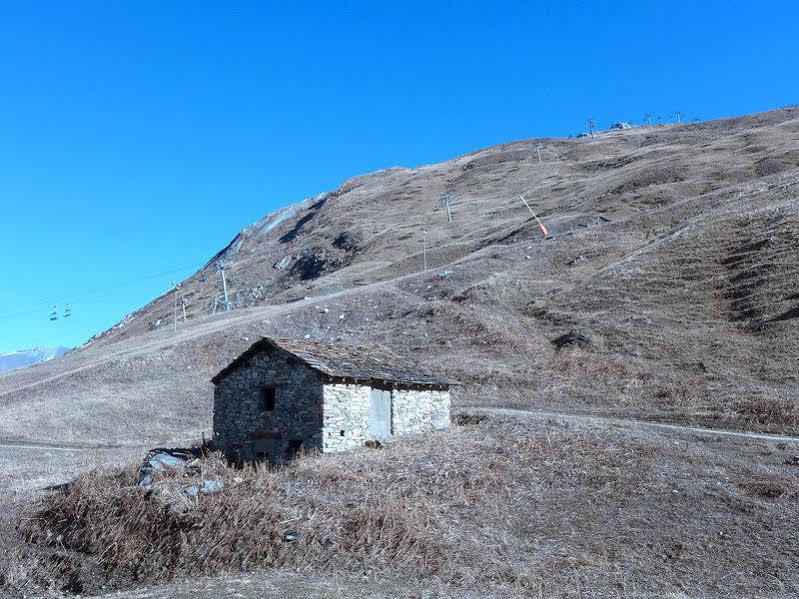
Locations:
column 445, row 199
column 424, row 248
column 223, row 299
column 591, row 126
column 538, row 145
column 175, row 319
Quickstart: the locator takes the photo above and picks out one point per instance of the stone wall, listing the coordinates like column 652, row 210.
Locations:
column 243, row 426
column 346, row 417
column 414, row 412
column 347, row 411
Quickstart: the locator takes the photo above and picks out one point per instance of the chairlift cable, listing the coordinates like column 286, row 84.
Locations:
column 93, row 293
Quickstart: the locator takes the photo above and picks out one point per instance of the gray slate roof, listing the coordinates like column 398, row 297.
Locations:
column 352, row 363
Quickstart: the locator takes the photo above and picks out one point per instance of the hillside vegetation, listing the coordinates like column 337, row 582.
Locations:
column 669, row 282
column 505, row 507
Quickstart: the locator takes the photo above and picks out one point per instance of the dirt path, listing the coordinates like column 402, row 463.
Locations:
column 632, row 421
column 38, row 446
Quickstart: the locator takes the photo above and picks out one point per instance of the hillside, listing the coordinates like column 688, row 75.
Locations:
column 669, row 282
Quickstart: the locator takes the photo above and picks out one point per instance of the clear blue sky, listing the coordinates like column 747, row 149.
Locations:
column 136, row 138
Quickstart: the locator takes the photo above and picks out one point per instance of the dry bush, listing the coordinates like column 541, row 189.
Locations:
column 23, row 568
column 464, row 419
column 772, row 411
column 768, row 488
column 339, row 518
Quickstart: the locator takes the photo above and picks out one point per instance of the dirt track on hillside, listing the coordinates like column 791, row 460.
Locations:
column 609, row 420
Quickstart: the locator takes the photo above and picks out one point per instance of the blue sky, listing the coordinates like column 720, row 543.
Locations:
column 136, row 138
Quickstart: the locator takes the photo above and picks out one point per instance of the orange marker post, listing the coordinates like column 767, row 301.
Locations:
column 540, row 224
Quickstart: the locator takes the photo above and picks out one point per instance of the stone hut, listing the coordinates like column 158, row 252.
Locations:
column 283, row 396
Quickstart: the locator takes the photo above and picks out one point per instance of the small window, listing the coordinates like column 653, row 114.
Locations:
column 341, row 433
column 268, row 399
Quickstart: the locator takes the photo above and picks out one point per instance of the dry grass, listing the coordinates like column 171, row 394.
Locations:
column 501, row 506
column 771, row 411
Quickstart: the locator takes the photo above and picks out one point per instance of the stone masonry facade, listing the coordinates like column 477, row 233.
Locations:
column 242, row 424
column 414, row 412
column 345, row 417
column 346, row 414
column 274, row 406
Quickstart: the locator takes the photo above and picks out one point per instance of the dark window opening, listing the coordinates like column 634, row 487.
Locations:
column 261, row 456
column 295, row 447
column 341, row 433
column 268, row 399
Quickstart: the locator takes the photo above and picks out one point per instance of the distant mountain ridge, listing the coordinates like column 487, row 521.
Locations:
column 28, row 357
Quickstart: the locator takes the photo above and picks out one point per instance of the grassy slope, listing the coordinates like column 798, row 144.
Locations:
column 502, row 508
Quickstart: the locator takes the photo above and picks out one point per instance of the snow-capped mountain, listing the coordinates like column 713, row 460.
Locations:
column 27, row 357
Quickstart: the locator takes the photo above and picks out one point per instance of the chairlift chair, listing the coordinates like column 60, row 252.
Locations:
column 54, row 314
column 67, row 312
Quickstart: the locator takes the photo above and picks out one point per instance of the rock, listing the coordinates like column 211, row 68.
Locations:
column 576, row 261
column 283, row 263
column 158, row 462
column 469, row 419
column 573, row 337
column 207, row 486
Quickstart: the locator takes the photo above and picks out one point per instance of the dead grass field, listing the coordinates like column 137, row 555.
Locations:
column 506, row 507
column 25, row 469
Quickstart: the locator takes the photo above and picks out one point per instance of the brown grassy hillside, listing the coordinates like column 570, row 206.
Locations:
column 672, row 258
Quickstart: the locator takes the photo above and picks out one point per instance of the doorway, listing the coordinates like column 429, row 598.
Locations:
column 380, row 414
